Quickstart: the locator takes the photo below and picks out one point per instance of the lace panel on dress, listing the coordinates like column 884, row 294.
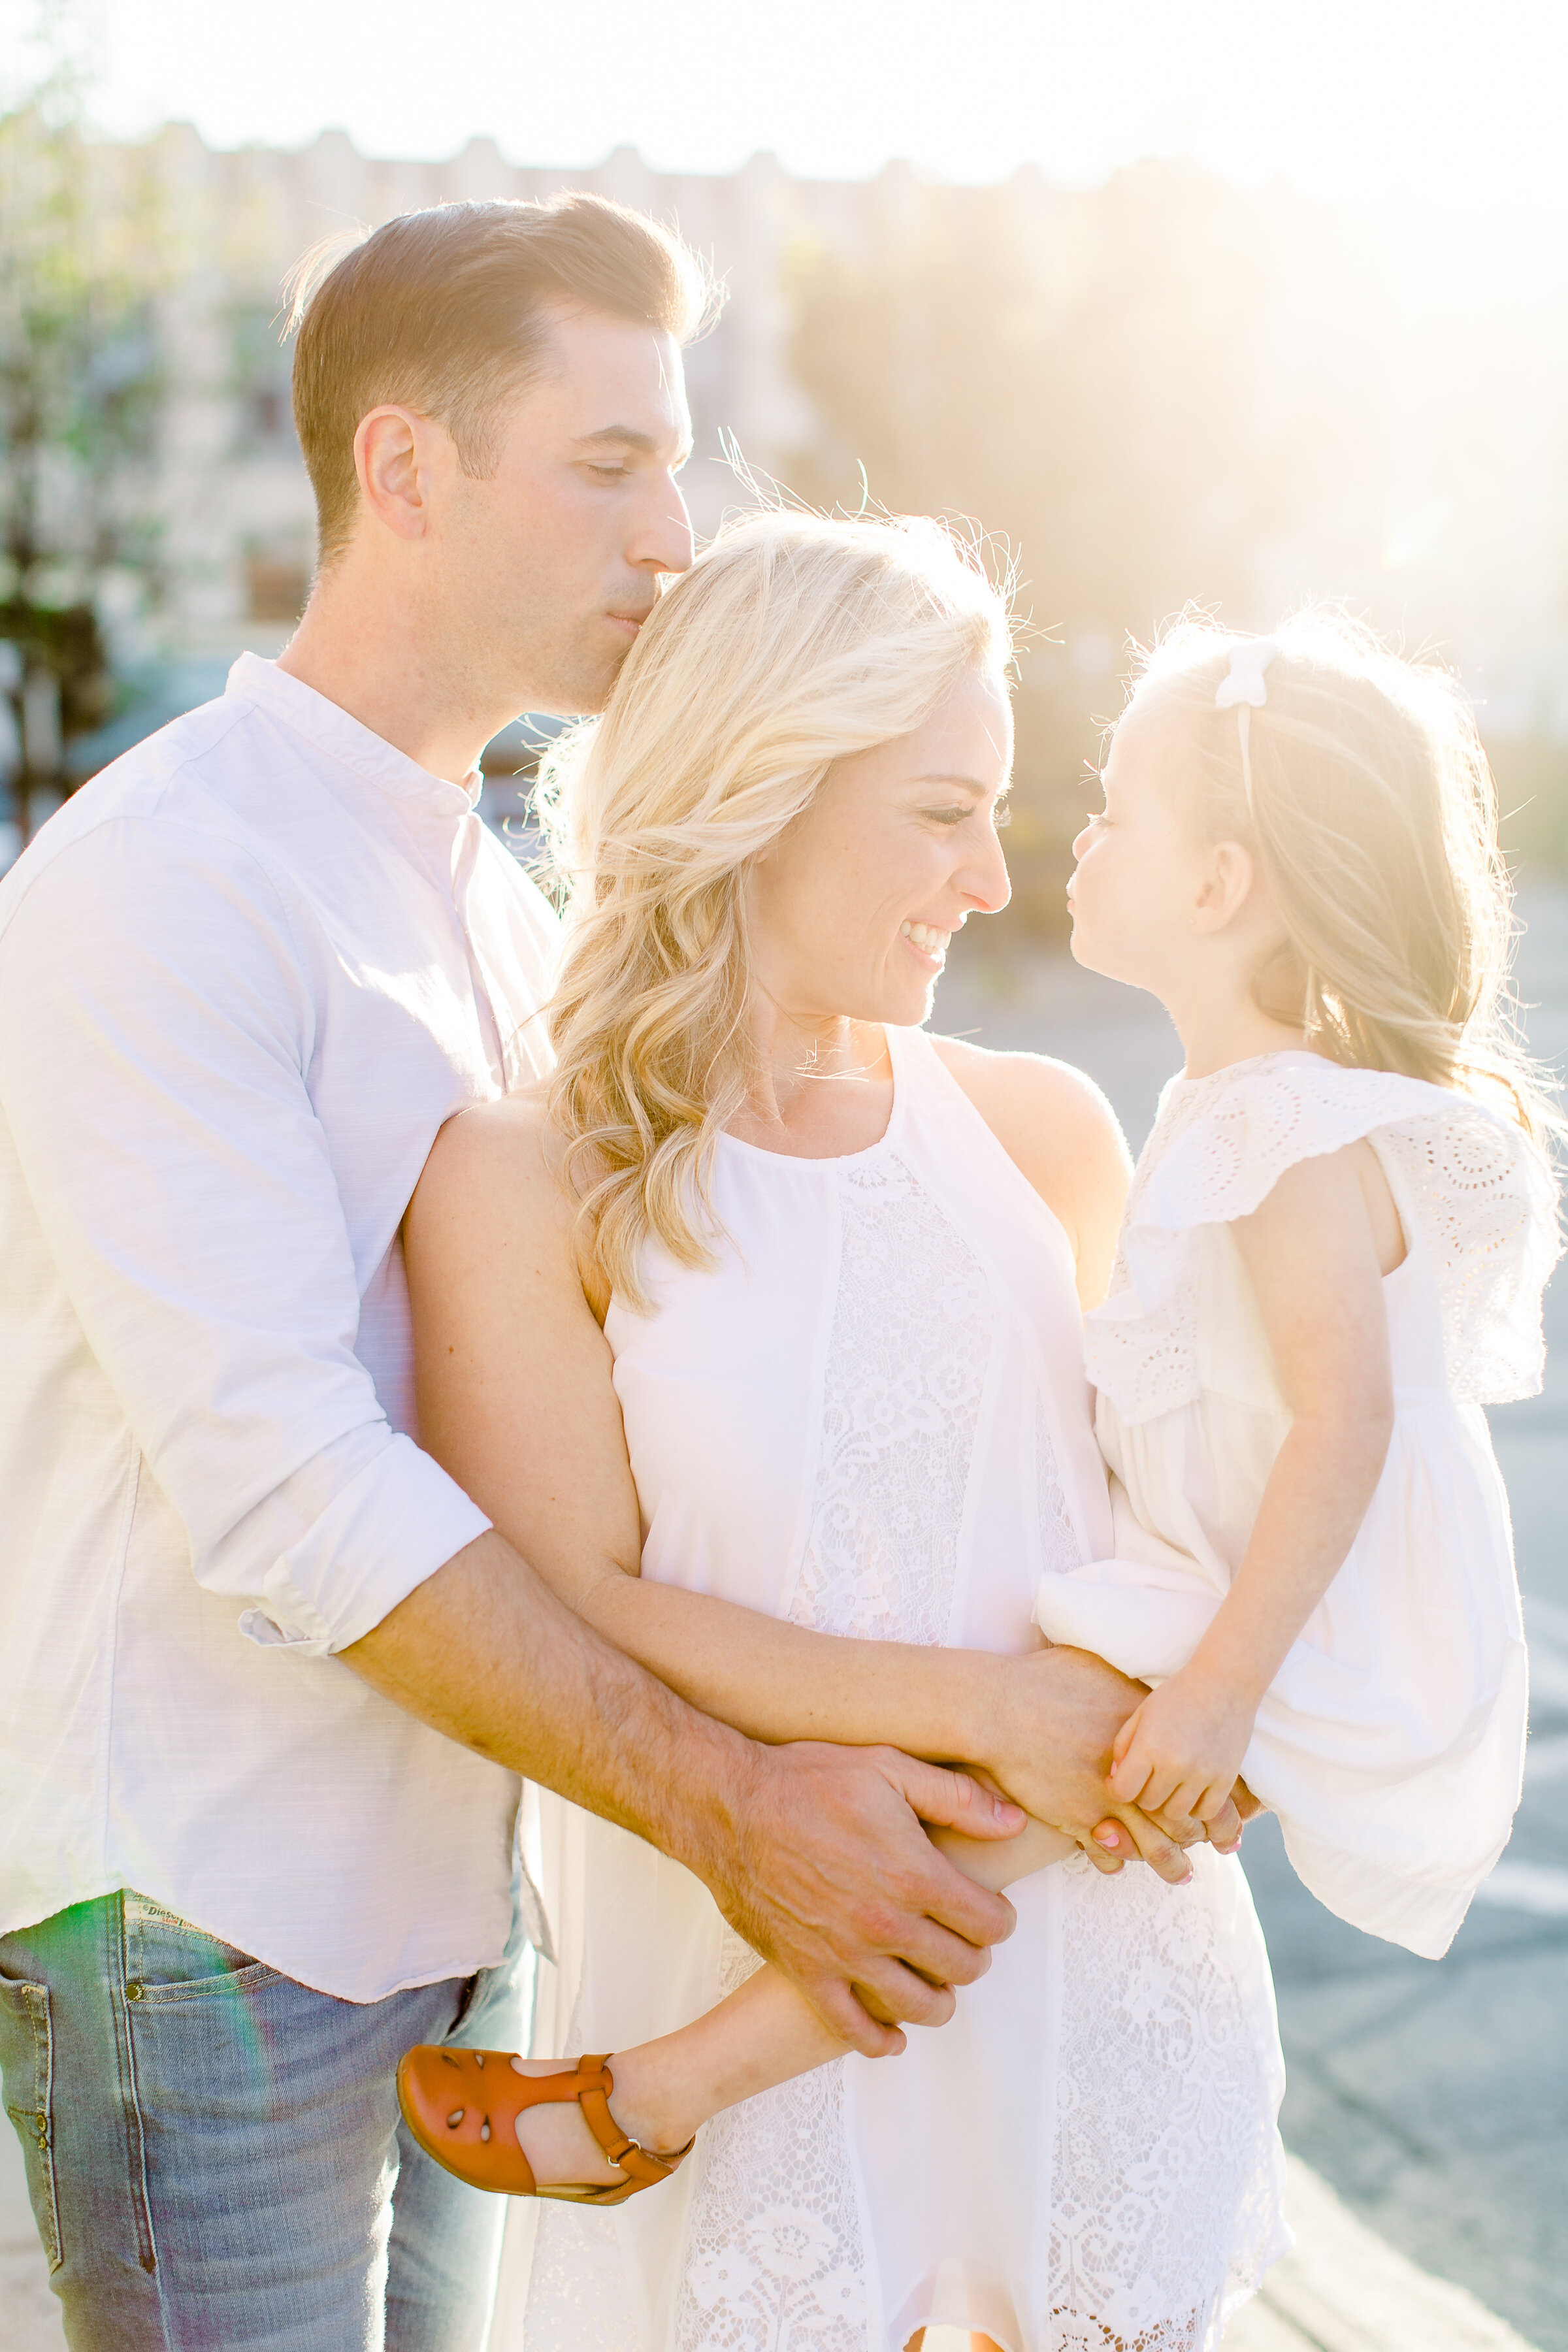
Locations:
column 776, row 2261
column 1164, row 2177
column 911, row 1339
column 578, row 2292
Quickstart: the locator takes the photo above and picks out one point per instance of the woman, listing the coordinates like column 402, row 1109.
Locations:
column 777, row 1300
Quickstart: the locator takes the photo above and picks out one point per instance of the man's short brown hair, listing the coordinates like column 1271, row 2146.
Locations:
column 444, row 311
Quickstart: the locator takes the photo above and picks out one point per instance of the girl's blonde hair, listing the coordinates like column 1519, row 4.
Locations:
column 794, row 641
column 1372, row 815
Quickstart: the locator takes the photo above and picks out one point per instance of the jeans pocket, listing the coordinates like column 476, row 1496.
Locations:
column 168, row 1960
column 27, row 2063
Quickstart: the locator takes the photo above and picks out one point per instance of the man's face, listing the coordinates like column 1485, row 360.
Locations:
column 554, row 560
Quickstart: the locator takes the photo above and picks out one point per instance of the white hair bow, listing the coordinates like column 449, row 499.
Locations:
column 1244, row 681
column 1245, row 690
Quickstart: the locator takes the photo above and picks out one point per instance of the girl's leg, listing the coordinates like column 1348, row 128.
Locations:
column 997, row 1862
column 763, row 2034
column 976, row 2343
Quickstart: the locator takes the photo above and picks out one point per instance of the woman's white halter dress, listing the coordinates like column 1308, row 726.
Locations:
column 872, row 1418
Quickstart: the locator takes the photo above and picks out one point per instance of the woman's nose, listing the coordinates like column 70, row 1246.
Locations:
column 987, row 881
column 1081, row 841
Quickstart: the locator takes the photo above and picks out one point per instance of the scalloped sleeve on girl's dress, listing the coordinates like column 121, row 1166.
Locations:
column 1481, row 1196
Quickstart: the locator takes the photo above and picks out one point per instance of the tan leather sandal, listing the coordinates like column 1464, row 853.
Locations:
column 462, row 2106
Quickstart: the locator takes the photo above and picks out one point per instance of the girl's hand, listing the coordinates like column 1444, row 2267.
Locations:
column 1053, row 1715
column 1181, row 1751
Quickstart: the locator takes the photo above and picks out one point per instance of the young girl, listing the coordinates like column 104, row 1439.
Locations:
column 1333, row 1257
column 1315, row 894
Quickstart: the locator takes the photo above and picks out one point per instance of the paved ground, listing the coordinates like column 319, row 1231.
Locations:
column 1433, row 2097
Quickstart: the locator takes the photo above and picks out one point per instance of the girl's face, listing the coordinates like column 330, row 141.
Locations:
column 1140, row 872
column 851, row 910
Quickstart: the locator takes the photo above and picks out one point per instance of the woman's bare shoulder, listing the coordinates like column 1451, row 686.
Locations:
column 1059, row 1132
column 1041, row 1111
column 499, row 1160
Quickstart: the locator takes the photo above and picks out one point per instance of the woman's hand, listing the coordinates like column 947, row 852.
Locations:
column 1050, row 1745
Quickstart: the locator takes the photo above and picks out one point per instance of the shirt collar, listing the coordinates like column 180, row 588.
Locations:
column 329, row 729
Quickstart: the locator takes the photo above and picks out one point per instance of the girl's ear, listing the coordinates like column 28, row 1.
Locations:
column 1227, row 887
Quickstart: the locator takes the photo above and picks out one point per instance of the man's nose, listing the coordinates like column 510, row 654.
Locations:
column 663, row 540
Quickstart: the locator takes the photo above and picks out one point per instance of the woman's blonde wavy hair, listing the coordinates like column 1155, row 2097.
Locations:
column 794, row 641
column 1373, row 817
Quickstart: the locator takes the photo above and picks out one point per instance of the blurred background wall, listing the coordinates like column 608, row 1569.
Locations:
column 1165, row 388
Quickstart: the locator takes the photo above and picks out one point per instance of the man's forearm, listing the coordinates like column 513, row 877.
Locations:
column 485, row 1653
column 814, row 1853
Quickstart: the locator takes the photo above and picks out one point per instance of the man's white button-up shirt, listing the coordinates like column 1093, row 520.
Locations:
column 244, row 975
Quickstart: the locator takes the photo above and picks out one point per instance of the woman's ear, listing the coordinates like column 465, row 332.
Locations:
column 1228, row 886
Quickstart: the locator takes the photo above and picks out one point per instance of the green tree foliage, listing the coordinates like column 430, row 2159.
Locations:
column 82, row 260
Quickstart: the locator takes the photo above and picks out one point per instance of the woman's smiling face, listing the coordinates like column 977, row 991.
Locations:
column 851, row 910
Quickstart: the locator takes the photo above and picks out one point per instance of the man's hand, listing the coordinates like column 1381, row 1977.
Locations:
column 815, row 1854
column 833, row 1879
column 1061, row 1711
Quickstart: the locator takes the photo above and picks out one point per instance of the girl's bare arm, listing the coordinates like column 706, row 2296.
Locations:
column 1316, row 1251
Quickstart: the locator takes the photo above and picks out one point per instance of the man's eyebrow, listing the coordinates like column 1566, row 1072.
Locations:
column 628, row 436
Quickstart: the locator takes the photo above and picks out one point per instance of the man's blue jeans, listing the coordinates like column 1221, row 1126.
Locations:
column 214, row 2155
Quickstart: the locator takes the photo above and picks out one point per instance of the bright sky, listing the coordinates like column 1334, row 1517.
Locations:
column 1460, row 101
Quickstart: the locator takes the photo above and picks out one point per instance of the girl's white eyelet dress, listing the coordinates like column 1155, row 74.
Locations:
column 1391, row 1744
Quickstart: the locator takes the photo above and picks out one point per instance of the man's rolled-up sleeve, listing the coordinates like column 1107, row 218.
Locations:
column 156, row 1027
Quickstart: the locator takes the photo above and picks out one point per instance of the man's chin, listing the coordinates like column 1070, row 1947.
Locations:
column 581, row 695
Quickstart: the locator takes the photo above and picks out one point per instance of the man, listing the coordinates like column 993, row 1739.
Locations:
column 268, row 1677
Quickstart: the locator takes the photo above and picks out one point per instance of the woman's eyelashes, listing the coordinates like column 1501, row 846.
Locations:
column 1001, row 814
